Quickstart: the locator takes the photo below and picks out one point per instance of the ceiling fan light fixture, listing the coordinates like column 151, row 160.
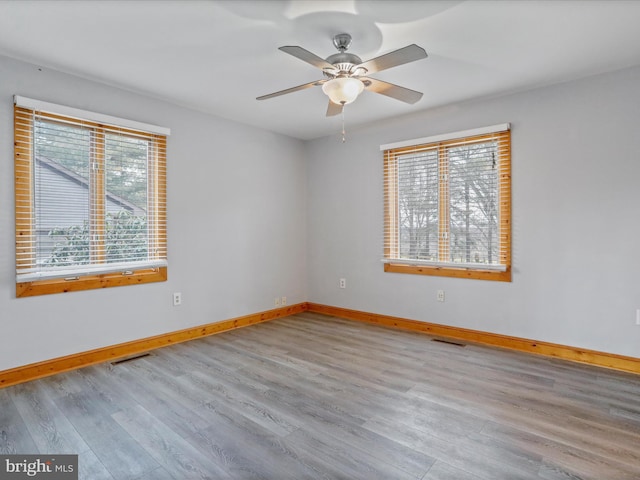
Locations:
column 343, row 90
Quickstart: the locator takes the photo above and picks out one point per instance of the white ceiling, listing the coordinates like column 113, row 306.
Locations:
column 218, row 56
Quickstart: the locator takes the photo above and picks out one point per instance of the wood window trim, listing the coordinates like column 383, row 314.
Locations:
column 504, row 204
column 440, row 271
column 24, row 204
column 90, row 282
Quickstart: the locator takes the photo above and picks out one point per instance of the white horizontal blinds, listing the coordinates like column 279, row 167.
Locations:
column 90, row 198
column 391, row 211
column 448, row 202
column 126, row 183
column 25, row 214
column 418, row 204
column 473, row 203
column 62, row 185
column 156, row 198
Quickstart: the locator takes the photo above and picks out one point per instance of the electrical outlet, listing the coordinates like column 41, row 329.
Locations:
column 276, row 301
column 177, row 299
column 343, row 283
column 283, row 301
column 638, row 316
column 440, row 295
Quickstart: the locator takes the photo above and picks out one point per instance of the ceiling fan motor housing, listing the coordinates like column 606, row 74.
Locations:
column 344, row 63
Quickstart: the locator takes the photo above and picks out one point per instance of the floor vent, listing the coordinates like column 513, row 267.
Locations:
column 128, row 359
column 448, row 342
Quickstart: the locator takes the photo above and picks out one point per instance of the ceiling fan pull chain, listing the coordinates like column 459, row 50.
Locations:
column 343, row 130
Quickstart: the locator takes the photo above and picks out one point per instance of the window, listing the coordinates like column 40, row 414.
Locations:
column 447, row 208
column 90, row 200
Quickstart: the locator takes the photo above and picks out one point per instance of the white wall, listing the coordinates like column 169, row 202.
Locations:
column 283, row 226
column 576, row 199
column 236, row 227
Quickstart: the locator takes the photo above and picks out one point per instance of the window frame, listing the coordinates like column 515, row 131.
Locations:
column 444, row 267
column 25, row 210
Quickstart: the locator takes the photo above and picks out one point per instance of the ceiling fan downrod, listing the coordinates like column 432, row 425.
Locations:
column 342, row 41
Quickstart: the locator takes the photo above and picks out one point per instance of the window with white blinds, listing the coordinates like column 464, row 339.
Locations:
column 90, row 200
column 447, row 208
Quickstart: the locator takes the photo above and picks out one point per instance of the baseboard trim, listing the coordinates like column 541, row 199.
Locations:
column 574, row 354
column 46, row 368
column 78, row 360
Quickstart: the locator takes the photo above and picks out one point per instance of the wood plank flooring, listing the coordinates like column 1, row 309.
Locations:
column 317, row 397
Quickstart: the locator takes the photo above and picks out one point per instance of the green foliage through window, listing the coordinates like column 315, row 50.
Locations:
column 126, row 240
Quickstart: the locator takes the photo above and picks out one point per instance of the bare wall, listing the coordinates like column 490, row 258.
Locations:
column 249, row 220
column 236, row 227
column 576, row 198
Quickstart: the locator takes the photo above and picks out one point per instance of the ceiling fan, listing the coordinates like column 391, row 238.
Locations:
column 345, row 73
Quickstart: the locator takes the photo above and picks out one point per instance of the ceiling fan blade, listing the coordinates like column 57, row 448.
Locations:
column 390, row 90
column 334, row 109
column 410, row 53
column 307, row 56
column 292, row 89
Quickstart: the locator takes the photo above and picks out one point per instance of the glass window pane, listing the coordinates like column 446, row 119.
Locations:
column 418, row 205
column 126, row 161
column 473, row 189
column 61, row 188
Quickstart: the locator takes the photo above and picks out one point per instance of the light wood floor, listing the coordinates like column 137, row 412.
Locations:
column 315, row 397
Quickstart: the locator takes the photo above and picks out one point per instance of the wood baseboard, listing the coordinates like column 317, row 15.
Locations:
column 574, row 354
column 114, row 352
column 78, row 360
